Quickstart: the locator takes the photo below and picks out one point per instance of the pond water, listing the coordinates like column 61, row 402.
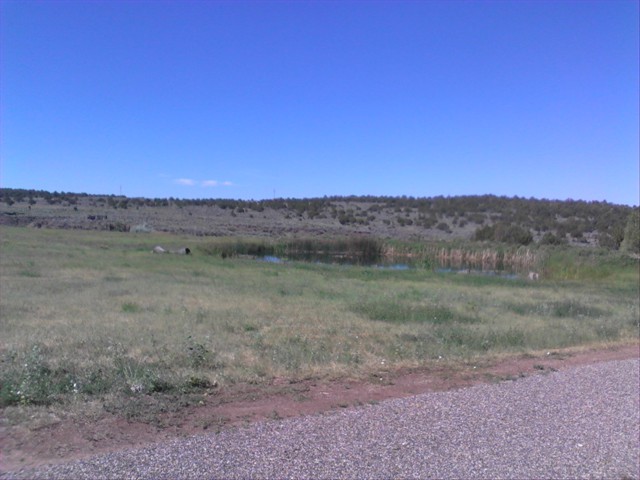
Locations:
column 271, row 259
column 470, row 271
column 445, row 269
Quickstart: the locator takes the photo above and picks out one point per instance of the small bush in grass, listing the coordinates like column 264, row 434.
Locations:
column 196, row 383
column 198, row 354
column 29, row 273
column 131, row 307
column 569, row 308
column 480, row 340
column 558, row 309
column 30, row 380
column 96, row 382
column 139, row 377
column 298, row 352
column 394, row 311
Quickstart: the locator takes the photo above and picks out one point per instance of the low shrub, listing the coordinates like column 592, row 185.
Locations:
column 395, row 311
column 30, row 380
column 504, row 233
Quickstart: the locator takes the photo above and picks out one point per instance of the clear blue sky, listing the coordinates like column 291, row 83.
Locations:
column 207, row 99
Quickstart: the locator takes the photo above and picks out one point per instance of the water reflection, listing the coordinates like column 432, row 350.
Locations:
column 488, row 273
column 391, row 265
column 271, row 259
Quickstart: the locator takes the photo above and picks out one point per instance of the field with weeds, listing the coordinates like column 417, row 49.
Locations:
column 94, row 318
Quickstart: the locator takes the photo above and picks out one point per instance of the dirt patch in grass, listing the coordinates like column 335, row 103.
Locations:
column 60, row 440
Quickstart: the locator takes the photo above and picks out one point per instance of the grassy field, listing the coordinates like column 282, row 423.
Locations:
column 94, row 315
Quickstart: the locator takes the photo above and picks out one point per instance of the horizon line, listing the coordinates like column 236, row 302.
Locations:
column 346, row 197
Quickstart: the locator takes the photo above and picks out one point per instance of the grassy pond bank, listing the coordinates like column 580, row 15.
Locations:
column 94, row 318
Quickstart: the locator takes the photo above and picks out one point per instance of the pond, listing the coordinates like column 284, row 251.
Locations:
column 489, row 273
column 391, row 265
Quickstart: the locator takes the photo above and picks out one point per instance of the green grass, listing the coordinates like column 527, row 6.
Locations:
column 94, row 315
column 401, row 312
column 589, row 264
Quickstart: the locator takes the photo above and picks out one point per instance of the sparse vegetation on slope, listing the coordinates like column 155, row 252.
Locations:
column 486, row 217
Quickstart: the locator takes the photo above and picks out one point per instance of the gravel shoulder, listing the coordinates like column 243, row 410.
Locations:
column 578, row 422
column 61, row 438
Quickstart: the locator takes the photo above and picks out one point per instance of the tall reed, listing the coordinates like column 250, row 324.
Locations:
column 487, row 258
column 358, row 250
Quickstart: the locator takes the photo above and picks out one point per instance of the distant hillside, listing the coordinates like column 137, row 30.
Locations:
column 486, row 217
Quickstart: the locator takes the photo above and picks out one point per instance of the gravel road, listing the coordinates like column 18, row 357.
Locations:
column 583, row 422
